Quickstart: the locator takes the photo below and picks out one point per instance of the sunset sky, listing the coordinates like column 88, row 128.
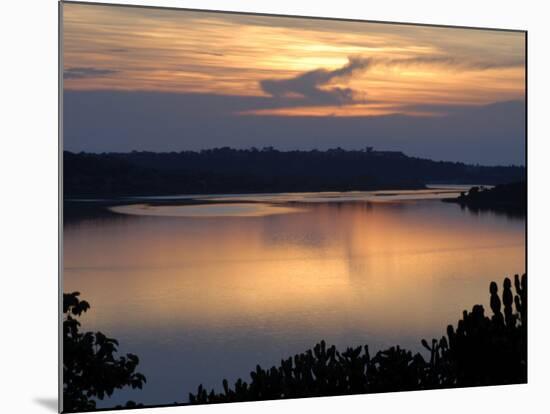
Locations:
column 162, row 80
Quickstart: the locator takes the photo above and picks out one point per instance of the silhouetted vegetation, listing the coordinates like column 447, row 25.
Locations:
column 90, row 368
column 226, row 170
column 510, row 197
column 479, row 351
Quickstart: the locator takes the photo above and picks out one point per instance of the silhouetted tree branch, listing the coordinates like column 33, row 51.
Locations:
column 90, row 368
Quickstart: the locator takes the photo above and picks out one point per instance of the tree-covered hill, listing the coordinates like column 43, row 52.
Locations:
column 227, row 170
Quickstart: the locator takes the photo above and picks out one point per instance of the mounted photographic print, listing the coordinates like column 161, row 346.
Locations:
column 261, row 207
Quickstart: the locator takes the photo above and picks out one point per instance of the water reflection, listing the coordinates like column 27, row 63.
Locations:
column 203, row 299
column 205, row 210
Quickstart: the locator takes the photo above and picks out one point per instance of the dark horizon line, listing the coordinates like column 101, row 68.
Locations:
column 271, row 148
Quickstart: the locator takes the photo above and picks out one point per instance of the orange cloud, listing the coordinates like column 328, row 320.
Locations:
column 124, row 48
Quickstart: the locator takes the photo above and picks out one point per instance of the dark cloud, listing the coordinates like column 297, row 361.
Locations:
column 86, row 72
column 308, row 86
column 119, row 50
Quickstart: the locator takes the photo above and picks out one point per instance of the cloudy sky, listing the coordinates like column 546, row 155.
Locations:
column 166, row 80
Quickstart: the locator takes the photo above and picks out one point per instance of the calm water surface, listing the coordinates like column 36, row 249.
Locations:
column 205, row 292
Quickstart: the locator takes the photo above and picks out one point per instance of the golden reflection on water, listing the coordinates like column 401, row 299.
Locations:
column 390, row 270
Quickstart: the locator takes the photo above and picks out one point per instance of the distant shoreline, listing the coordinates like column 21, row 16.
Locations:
column 232, row 171
column 78, row 208
column 511, row 198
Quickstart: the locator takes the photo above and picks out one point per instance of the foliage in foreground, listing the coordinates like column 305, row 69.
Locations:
column 90, row 368
column 480, row 351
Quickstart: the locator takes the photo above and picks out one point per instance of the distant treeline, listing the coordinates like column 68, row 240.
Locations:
column 226, row 170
